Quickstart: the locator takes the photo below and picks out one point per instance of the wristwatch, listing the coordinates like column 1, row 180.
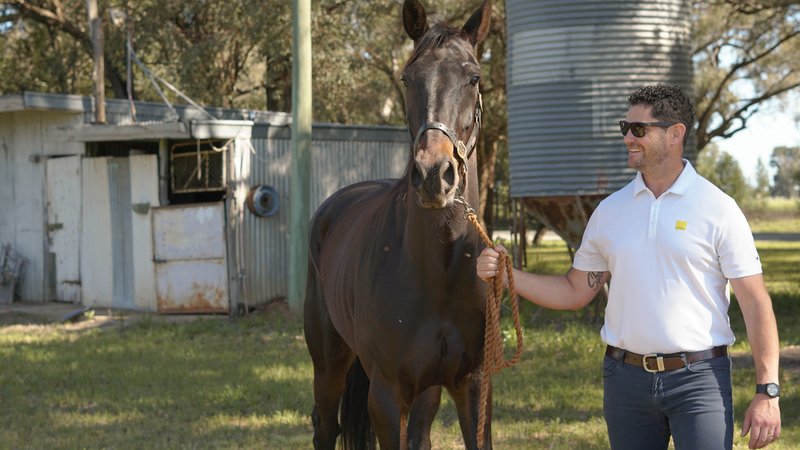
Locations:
column 770, row 389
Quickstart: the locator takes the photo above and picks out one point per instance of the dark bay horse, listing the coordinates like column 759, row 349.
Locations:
column 394, row 310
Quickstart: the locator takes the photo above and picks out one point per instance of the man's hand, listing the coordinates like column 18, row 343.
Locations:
column 763, row 421
column 489, row 262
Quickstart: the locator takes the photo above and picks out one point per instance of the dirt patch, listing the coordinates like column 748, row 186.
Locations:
column 75, row 317
column 277, row 306
column 35, row 312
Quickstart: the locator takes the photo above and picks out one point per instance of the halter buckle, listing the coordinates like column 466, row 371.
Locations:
column 462, row 150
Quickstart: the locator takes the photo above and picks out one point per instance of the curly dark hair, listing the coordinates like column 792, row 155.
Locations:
column 669, row 104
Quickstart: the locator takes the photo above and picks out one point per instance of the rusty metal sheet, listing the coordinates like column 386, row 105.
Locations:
column 566, row 215
column 195, row 231
column 192, row 286
column 190, row 256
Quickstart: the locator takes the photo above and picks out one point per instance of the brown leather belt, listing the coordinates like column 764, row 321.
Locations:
column 660, row 362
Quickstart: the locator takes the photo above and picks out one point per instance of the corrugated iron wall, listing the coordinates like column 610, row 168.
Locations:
column 115, row 196
column 571, row 65
column 341, row 155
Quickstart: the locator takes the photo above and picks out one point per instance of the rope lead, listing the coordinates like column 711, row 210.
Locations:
column 493, row 358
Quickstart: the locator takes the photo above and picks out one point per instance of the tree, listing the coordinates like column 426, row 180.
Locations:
column 786, row 161
column 745, row 54
column 211, row 50
column 724, row 171
column 761, row 189
column 237, row 53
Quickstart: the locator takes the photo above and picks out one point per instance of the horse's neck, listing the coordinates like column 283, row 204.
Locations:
column 437, row 237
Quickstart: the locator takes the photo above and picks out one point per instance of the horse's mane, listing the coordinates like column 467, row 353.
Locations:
column 437, row 36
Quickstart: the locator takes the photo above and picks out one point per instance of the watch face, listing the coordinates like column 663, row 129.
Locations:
column 772, row 389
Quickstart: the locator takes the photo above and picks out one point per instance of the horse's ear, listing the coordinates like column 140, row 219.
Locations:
column 477, row 27
column 415, row 19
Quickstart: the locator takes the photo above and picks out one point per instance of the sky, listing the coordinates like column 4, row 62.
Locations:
column 776, row 125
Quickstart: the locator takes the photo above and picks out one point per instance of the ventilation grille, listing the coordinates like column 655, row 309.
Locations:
column 199, row 169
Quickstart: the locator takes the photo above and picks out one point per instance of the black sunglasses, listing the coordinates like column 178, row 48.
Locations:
column 637, row 128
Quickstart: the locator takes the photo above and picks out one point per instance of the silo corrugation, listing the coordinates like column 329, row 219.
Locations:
column 570, row 68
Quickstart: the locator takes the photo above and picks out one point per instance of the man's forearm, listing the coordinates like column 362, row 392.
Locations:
column 563, row 292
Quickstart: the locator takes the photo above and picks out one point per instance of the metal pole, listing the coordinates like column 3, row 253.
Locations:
column 299, row 190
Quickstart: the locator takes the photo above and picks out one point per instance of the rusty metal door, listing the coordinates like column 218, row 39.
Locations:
column 190, row 256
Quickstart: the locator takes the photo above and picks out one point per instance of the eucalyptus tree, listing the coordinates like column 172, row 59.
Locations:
column 786, row 162
column 745, row 54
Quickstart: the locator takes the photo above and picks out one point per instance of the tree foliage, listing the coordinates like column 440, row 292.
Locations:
column 724, row 171
column 745, row 54
column 786, row 161
column 762, row 186
column 237, row 53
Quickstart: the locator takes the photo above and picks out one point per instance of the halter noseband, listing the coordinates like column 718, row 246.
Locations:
column 461, row 148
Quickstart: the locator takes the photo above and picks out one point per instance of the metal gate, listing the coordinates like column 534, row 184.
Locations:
column 190, row 256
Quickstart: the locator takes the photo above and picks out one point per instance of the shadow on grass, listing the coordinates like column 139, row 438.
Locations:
column 246, row 383
column 208, row 384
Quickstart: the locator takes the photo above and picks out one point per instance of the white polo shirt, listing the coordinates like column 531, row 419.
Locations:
column 670, row 259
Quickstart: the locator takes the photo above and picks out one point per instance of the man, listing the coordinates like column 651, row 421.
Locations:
column 669, row 242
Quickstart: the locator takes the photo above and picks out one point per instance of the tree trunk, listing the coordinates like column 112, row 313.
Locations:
column 98, row 76
column 486, row 174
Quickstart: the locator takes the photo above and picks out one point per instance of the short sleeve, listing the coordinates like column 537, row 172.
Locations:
column 589, row 257
column 736, row 247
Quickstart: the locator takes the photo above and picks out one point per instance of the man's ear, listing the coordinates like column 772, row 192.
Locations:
column 678, row 131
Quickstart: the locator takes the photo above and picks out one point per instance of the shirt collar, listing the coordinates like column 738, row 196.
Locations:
column 680, row 186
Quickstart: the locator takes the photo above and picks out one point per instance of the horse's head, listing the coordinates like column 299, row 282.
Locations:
column 442, row 101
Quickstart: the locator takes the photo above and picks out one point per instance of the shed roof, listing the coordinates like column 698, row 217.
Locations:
column 152, row 120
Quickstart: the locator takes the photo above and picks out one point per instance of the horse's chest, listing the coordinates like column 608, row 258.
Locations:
column 430, row 335
column 415, row 318
column 423, row 351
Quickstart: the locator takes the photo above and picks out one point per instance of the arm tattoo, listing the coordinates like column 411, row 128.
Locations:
column 595, row 280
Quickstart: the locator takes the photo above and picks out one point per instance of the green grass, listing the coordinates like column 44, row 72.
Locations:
column 776, row 225
column 773, row 215
column 246, row 383
column 213, row 383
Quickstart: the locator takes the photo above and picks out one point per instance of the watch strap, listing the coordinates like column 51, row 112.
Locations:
column 769, row 389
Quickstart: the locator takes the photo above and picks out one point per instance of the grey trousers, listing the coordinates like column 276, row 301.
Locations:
column 694, row 405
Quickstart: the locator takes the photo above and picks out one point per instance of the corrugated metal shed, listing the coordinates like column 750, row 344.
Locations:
column 341, row 155
column 571, row 66
column 111, row 199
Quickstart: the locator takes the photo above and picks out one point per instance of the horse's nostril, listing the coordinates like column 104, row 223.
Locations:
column 417, row 177
column 449, row 175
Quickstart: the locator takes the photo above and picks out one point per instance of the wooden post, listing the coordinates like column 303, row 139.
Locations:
column 96, row 27
column 299, row 189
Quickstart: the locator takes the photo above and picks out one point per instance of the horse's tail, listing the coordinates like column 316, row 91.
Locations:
column 357, row 432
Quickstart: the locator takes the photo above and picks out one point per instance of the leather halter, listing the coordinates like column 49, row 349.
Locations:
column 461, row 148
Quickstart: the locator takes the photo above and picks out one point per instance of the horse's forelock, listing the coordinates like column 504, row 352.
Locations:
column 437, row 36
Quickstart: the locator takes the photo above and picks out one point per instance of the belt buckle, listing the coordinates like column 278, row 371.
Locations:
column 659, row 363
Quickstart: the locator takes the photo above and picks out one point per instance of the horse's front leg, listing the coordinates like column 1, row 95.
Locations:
column 387, row 414
column 466, row 397
column 423, row 411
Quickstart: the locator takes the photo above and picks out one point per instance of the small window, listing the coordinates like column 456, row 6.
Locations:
column 197, row 167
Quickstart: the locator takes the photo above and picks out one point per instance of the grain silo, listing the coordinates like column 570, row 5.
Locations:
column 571, row 65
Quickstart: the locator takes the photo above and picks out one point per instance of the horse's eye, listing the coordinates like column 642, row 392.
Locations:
column 403, row 79
column 474, row 80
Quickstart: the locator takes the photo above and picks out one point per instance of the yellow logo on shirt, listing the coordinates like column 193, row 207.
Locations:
column 680, row 225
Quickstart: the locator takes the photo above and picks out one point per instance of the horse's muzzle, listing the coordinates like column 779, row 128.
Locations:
column 435, row 183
